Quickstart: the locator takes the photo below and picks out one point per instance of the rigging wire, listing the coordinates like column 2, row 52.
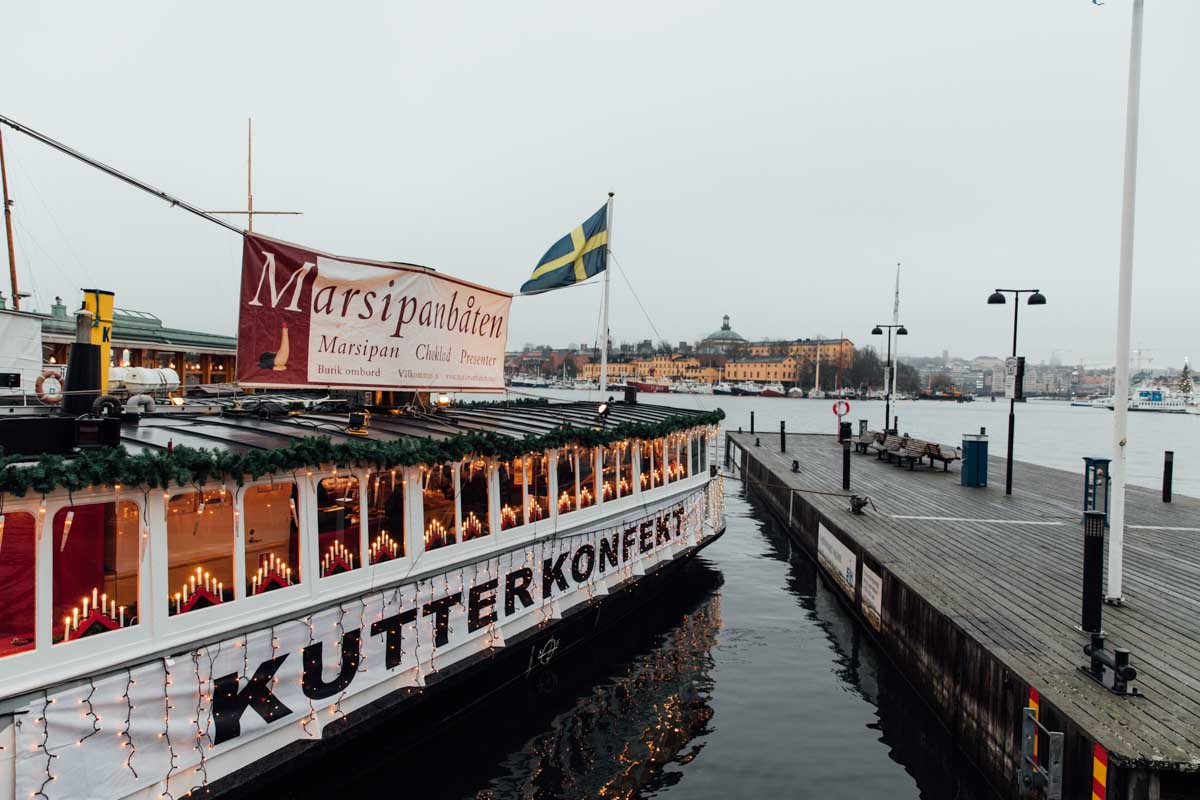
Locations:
column 116, row 173
column 27, row 179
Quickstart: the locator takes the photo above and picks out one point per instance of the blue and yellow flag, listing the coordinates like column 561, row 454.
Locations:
column 574, row 258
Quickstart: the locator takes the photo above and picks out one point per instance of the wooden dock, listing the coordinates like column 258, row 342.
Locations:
column 976, row 597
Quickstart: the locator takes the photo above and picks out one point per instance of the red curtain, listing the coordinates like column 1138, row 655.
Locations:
column 79, row 567
column 18, row 565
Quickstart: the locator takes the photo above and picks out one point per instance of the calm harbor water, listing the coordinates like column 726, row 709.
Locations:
column 1048, row 432
column 747, row 680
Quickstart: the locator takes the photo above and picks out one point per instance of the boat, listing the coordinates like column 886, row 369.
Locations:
column 194, row 592
column 722, row 388
column 691, row 387
column 1157, row 400
column 650, row 387
column 747, row 389
column 773, row 390
column 796, row 391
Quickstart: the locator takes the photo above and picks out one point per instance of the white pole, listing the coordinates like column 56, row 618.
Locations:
column 817, row 377
column 604, row 320
column 1116, row 542
column 896, row 321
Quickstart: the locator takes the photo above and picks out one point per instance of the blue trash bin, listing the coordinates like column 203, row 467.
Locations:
column 974, row 459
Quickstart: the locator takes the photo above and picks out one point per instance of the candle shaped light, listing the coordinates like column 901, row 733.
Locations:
column 85, row 606
column 66, row 625
column 220, row 590
column 289, row 576
column 178, row 603
column 95, row 595
column 1, row 531
column 104, row 603
column 75, row 617
column 121, row 611
column 66, row 530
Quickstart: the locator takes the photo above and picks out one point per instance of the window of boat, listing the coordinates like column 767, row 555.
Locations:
column 610, row 471
column 95, row 569
column 438, row 501
column 697, row 450
column 512, row 493
column 537, row 467
column 567, row 501
column 587, row 476
column 337, row 524
column 199, row 550
column 473, row 483
column 652, row 464
column 18, row 568
column 272, row 520
column 385, row 516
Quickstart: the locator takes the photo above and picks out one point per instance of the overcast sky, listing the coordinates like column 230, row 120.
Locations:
column 770, row 161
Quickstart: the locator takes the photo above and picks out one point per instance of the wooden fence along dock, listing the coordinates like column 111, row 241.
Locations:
column 976, row 597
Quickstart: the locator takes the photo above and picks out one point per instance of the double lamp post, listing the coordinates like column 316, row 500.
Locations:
column 997, row 298
column 887, row 377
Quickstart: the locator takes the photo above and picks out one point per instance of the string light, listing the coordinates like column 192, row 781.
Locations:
column 45, row 720
column 128, row 723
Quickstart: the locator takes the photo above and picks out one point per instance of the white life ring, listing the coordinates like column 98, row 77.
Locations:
column 49, row 388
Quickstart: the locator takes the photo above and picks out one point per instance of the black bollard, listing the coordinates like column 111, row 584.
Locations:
column 1093, row 572
column 846, row 465
column 1168, row 474
column 782, row 436
column 895, row 424
column 752, row 422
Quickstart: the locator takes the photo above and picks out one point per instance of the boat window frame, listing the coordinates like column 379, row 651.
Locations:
column 234, row 540
column 306, row 509
column 315, row 481
column 142, row 581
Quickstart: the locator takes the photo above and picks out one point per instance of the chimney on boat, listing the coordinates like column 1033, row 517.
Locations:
column 87, row 366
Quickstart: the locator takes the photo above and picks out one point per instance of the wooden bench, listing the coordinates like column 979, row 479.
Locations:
column 943, row 453
column 912, row 452
column 889, row 447
column 865, row 440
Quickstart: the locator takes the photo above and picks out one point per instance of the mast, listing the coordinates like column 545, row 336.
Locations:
column 896, row 321
column 817, row 377
column 604, row 320
column 12, row 258
column 249, row 174
column 841, row 347
column 1116, row 549
column 249, row 210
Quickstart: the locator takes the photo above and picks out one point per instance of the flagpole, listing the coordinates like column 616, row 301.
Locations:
column 607, row 269
column 1116, row 537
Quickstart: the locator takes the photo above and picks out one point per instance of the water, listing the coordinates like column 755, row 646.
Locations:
column 751, row 679
column 748, row 680
column 1051, row 433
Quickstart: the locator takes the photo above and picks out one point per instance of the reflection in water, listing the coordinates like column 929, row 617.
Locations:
column 616, row 740
column 915, row 738
column 744, row 678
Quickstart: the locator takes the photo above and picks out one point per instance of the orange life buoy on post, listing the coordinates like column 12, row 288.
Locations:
column 49, row 388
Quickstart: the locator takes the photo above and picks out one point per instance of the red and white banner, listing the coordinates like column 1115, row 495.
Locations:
column 310, row 319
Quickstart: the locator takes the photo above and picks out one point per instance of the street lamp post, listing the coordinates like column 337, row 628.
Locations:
column 887, row 384
column 997, row 298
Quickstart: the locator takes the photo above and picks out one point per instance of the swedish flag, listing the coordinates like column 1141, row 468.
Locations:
column 574, row 258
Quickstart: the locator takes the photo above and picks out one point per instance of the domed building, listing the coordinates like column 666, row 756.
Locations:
column 724, row 341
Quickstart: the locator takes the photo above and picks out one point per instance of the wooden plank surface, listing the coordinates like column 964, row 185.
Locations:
column 1008, row 570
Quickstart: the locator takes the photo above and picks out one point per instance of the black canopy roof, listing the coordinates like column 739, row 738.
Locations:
column 237, row 431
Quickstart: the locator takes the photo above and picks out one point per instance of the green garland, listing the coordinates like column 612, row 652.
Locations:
column 186, row 466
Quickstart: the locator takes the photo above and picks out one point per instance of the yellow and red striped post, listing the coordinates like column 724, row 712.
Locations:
column 1099, row 773
column 1035, row 702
